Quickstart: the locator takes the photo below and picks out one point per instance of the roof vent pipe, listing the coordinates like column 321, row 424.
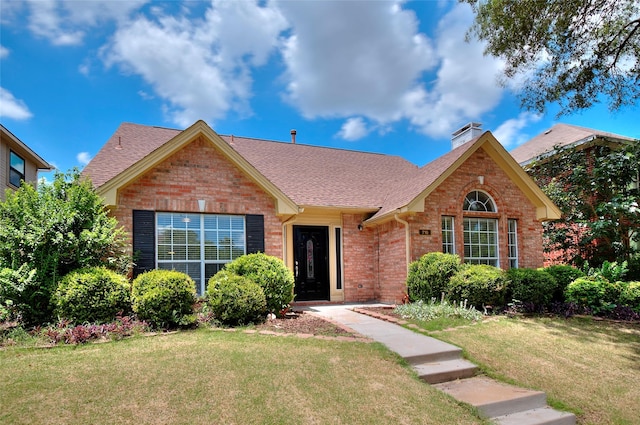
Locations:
column 293, row 136
column 465, row 134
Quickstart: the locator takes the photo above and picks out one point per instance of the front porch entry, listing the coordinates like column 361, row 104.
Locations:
column 311, row 263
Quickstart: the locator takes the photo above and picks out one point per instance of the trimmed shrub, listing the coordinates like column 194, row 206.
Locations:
column 533, row 288
column 429, row 276
column 235, row 300
column 586, row 292
column 164, row 298
column 630, row 296
column 480, row 285
column 92, row 294
column 564, row 275
column 271, row 274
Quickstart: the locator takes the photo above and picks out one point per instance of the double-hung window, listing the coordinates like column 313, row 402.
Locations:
column 513, row 243
column 198, row 244
column 16, row 169
column 480, row 233
column 448, row 241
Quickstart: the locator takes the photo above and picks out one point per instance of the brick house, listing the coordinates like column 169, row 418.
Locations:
column 549, row 146
column 17, row 162
column 347, row 223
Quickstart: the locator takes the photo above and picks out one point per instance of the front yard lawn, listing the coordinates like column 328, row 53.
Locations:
column 218, row 377
column 590, row 366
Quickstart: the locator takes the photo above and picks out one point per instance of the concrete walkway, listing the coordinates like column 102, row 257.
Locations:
column 442, row 365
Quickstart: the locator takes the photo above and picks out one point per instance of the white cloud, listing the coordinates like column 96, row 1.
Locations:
column 65, row 23
column 83, row 158
column 13, row 108
column 369, row 59
column 466, row 84
column 200, row 68
column 352, row 58
column 4, row 52
column 510, row 134
column 353, row 129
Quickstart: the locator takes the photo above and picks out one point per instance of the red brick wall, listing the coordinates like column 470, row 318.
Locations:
column 511, row 203
column 199, row 171
column 392, row 271
column 360, row 260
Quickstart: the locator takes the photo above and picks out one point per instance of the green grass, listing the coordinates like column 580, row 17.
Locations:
column 205, row 377
column 587, row 366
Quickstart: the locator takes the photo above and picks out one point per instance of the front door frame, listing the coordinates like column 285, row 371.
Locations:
column 332, row 219
column 311, row 262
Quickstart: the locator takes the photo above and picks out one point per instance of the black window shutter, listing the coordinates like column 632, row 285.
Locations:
column 144, row 241
column 255, row 233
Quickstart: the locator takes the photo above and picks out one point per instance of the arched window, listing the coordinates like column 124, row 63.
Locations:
column 478, row 201
column 480, row 233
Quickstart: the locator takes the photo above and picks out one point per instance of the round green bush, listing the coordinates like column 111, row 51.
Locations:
column 235, row 300
column 630, row 296
column 564, row 275
column 481, row 285
column 587, row 292
column 92, row 294
column 271, row 274
column 164, row 298
column 429, row 276
column 532, row 287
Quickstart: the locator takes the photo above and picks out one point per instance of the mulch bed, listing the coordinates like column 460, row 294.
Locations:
column 307, row 324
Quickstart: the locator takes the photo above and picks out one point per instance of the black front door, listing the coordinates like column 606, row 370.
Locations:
column 311, row 262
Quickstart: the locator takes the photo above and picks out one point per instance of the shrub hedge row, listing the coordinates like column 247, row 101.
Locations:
column 244, row 292
column 534, row 290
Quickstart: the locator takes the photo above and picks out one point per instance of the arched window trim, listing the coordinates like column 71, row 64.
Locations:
column 487, row 204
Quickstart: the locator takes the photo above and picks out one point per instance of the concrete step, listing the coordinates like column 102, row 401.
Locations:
column 492, row 398
column 543, row 416
column 429, row 353
column 446, row 370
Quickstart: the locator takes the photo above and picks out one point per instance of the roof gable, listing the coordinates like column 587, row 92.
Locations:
column 23, row 149
column 410, row 195
column 150, row 152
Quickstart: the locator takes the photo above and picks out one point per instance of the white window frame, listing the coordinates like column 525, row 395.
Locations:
column 512, row 233
column 448, row 234
column 481, row 242
column 197, row 254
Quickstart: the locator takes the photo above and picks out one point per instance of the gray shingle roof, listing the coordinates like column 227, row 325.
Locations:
column 558, row 135
column 308, row 175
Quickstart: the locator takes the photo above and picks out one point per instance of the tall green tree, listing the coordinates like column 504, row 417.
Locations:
column 597, row 191
column 570, row 52
column 53, row 230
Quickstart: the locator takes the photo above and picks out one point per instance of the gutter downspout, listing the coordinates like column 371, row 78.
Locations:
column 407, row 239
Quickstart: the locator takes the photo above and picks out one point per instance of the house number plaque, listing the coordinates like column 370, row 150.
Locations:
column 425, row 232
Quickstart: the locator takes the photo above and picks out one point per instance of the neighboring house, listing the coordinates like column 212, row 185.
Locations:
column 544, row 147
column 347, row 223
column 17, row 162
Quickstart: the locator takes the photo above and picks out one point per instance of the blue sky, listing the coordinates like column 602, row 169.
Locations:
column 383, row 76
